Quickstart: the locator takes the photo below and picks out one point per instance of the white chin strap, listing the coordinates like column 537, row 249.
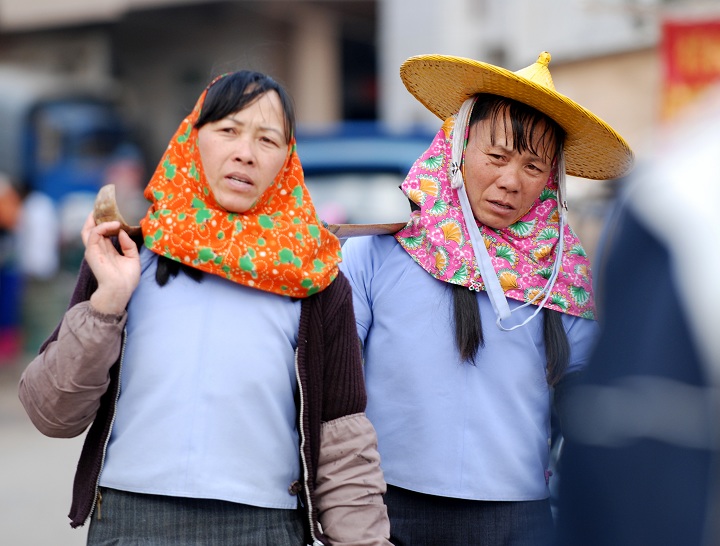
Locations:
column 485, row 267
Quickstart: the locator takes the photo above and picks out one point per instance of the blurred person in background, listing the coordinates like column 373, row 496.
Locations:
column 640, row 462
column 459, row 376
column 10, row 277
column 238, row 416
column 10, row 205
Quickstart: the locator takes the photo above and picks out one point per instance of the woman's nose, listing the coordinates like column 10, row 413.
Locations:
column 244, row 151
column 509, row 178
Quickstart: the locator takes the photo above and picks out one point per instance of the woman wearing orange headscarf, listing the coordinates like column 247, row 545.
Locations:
column 238, row 417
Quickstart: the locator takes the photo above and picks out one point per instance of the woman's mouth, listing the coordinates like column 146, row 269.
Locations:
column 239, row 181
column 501, row 205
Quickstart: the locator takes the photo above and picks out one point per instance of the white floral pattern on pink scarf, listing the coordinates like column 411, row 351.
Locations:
column 522, row 254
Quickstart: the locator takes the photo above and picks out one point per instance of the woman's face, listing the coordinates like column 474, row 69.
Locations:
column 502, row 183
column 243, row 153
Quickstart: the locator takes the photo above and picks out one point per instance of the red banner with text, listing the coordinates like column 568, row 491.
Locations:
column 690, row 53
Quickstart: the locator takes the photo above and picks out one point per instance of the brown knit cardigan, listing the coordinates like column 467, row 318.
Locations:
column 330, row 385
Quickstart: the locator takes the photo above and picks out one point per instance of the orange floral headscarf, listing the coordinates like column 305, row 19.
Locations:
column 278, row 245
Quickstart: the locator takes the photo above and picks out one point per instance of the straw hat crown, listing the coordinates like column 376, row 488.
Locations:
column 539, row 72
column 442, row 83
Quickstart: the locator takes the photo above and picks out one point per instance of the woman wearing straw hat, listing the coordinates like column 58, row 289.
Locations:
column 481, row 306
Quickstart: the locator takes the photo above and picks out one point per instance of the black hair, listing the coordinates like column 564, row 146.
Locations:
column 469, row 333
column 235, row 91
column 557, row 346
column 167, row 268
column 526, row 125
column 468, row 326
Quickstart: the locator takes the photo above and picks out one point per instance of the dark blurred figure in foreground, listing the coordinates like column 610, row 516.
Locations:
column 640, row 461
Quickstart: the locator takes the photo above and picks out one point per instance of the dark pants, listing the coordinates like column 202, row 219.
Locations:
column 132, row 519
column 427, row 520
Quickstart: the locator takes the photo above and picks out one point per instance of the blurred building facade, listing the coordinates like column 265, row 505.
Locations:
column 161, row 53
column 340, row 58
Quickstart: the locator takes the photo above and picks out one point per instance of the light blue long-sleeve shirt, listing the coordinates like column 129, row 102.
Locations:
column 447, row 427
column 206, row 406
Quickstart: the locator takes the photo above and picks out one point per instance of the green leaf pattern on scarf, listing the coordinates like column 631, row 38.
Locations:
column 297, row 193
column 170, row 169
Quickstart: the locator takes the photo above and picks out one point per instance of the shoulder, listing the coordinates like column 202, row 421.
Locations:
column 336, row 292
column 370, row 243
column 364, row 253
column 582, row 335
column 580, row 328
column 340, row 285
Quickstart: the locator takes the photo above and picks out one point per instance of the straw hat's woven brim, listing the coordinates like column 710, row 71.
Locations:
column 442, row 83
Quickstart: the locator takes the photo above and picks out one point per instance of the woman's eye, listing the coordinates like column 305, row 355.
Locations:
column 538, row 169
column 268, row 140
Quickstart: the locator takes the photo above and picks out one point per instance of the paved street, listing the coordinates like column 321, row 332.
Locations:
column 35, row 476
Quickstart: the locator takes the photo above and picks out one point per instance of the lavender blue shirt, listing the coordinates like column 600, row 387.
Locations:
column 446, row 427
column 206, row 406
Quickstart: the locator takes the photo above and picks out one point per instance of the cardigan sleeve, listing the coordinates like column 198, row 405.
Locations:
column 343, row 381
column 349, row 481
column 350, row 484
column 61, row 387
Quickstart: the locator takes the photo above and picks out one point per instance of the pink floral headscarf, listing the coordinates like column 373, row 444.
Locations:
column 522, row 255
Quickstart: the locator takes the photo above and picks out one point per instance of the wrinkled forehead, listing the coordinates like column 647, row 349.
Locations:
column 523, row 133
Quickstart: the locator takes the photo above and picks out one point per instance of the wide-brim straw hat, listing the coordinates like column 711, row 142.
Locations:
column 442, row 83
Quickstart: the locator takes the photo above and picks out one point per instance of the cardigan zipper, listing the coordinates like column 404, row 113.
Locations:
column 98, row 504
column 98, row 497
column 315, row 542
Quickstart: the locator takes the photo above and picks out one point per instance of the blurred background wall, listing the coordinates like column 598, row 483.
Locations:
column 340, row 58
